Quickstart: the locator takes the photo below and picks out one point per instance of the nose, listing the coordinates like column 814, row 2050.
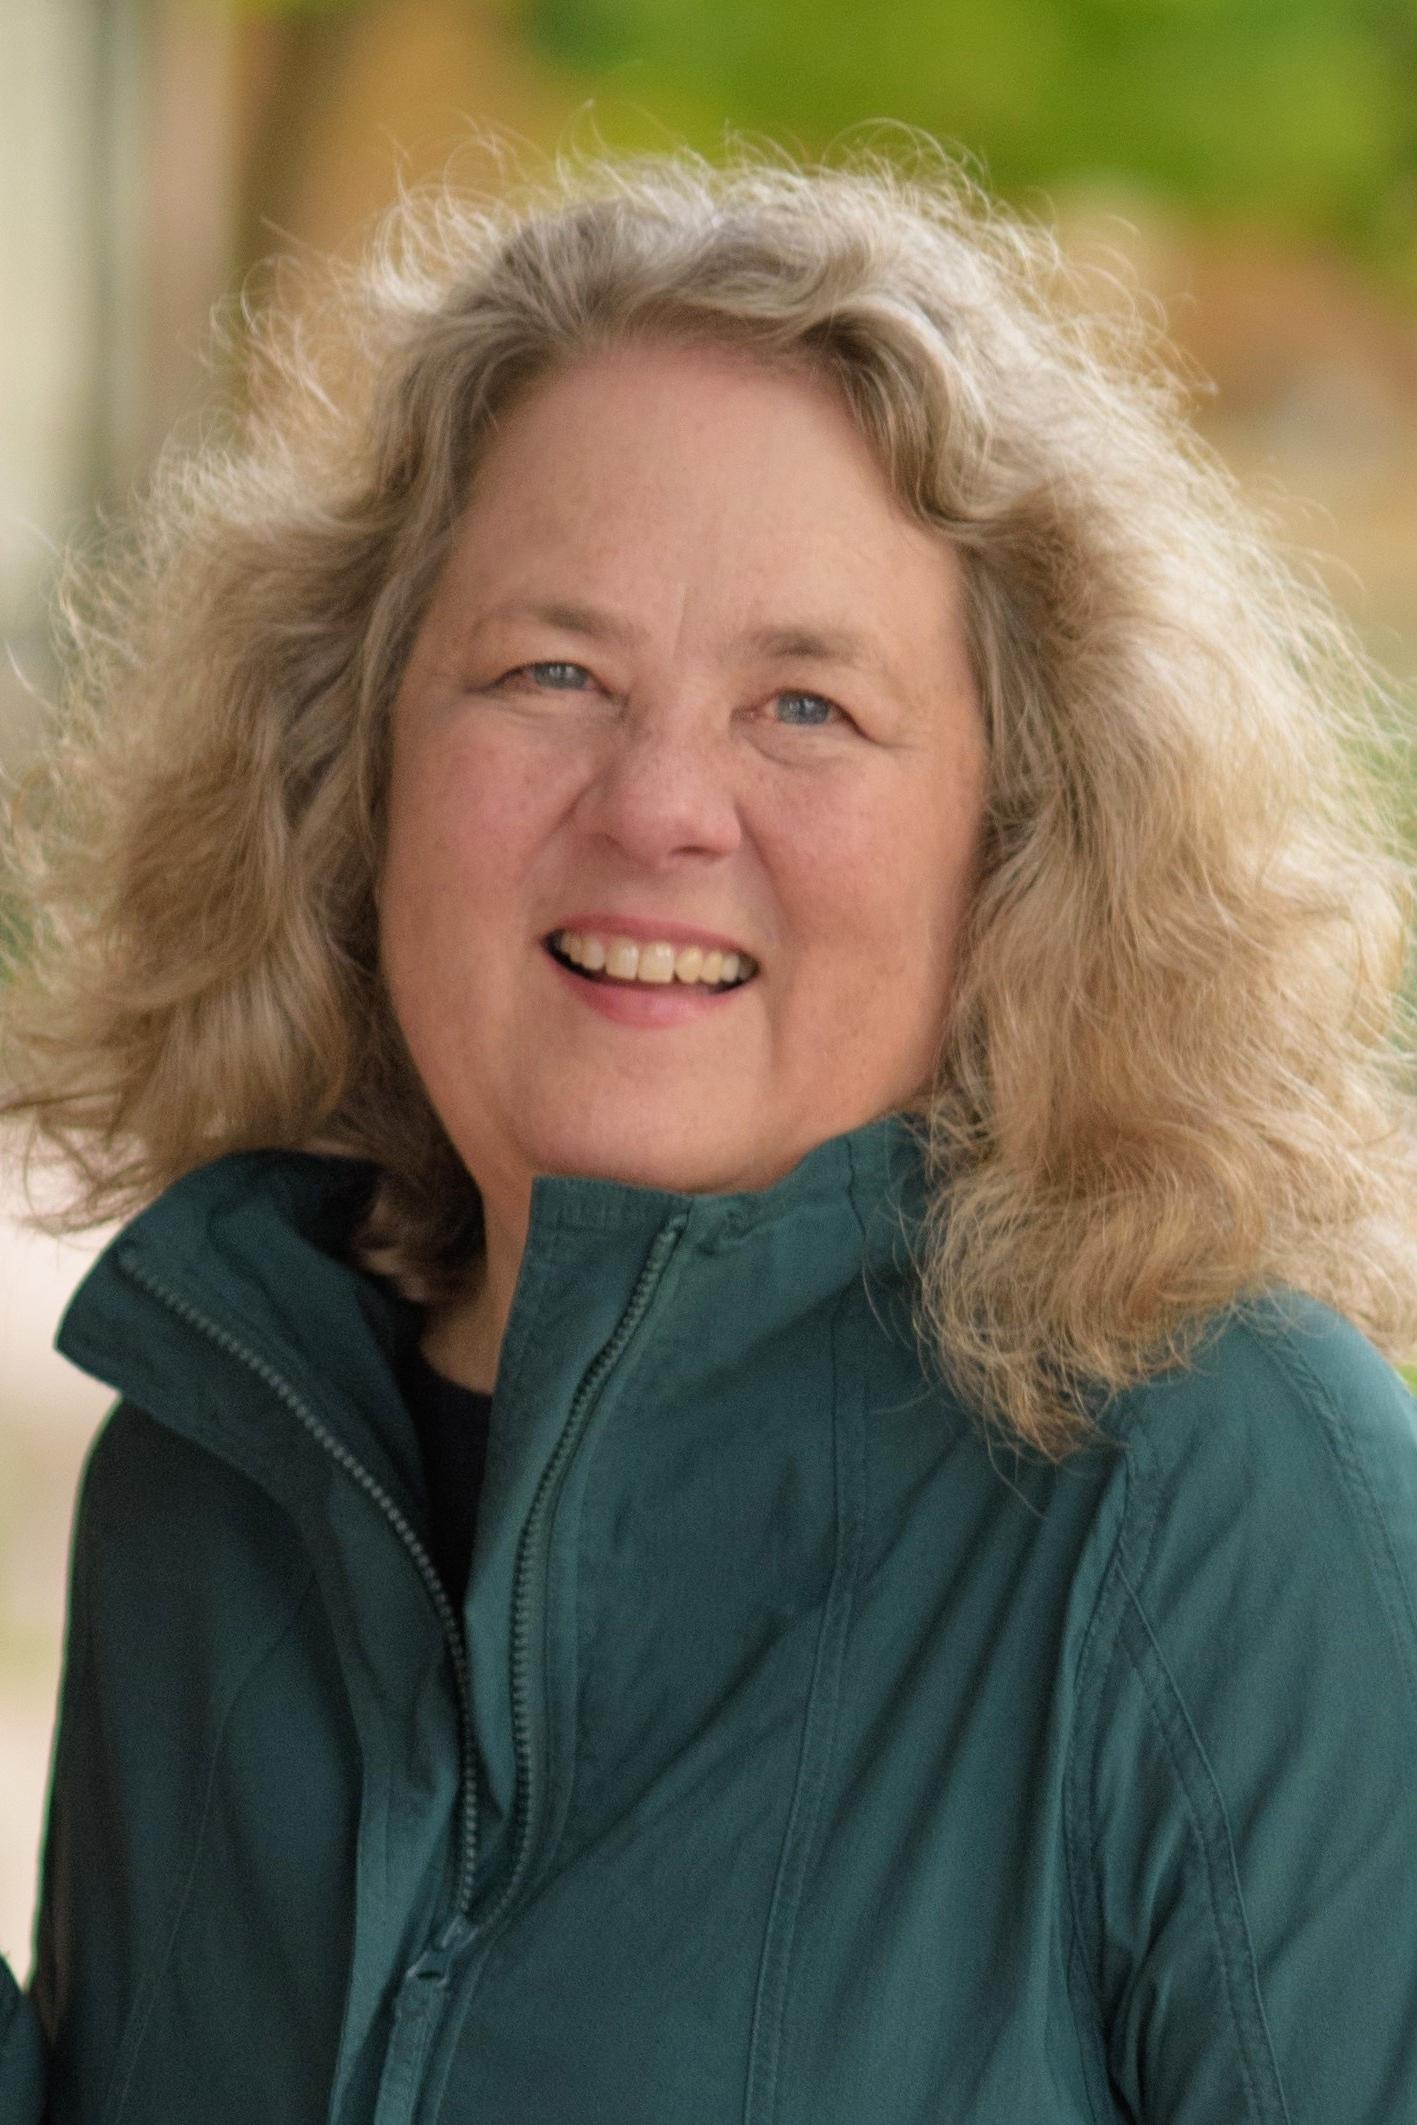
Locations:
column 663, row 792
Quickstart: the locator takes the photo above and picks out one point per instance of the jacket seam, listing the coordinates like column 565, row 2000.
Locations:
column 1397, row 1596
column 1201, row 1797
column 1134, row 1535
column 1118, row 1602
column 126, row 2064
column 1078, row 1830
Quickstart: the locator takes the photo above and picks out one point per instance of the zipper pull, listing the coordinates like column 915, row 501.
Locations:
column 433, row 1965
column 417, row 2010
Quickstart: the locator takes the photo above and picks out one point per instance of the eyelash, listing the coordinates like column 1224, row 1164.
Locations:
column 786, row 693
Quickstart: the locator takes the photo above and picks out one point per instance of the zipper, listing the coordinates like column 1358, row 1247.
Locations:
column 423, row 1990
column 407, row 1535
column 529, row 1579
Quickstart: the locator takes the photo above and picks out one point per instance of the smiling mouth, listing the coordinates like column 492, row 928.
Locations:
column 624, row 963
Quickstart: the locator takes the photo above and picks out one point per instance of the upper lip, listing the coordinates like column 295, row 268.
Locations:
column 649, row 931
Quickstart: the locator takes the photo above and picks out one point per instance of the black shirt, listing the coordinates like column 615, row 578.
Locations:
column 451, row 1422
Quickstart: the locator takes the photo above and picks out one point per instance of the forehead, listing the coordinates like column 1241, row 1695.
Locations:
column 702, row 480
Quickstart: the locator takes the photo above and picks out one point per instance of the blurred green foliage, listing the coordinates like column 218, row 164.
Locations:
column 297, row 7
column 1303, row 112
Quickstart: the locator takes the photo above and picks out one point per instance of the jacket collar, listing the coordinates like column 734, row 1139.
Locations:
column 243, row 1260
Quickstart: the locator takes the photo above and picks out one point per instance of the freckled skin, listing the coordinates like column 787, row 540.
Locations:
column 675, row 771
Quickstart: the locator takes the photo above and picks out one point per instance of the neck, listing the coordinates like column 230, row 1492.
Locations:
column 462, row 1336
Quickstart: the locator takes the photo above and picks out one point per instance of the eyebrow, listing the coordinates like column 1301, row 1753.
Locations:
column 794, row 641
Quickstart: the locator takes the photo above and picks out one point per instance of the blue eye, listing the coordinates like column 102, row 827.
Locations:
column 820, row 710
column 558, row 681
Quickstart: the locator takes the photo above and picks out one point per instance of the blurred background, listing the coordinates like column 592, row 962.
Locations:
column 1251, row 163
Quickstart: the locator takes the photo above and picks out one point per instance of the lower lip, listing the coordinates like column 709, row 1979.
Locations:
column 645, row 1003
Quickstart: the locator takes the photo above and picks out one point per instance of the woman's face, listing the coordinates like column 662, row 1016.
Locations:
column 690, row 681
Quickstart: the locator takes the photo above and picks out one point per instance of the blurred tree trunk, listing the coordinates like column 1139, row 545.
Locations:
column 73, row 349
column 290, row 63
column 190, row 198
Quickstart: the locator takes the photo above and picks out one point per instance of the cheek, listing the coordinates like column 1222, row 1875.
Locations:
column 882, row 957
column 465, row 821
column 880, row 889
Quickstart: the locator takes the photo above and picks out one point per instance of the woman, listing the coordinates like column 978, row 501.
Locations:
column 724, row 915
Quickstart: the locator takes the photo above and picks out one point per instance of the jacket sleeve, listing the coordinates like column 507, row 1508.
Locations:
column 1252, row 1797
column 21, row 2056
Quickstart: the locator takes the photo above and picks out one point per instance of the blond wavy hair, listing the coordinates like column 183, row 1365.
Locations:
column 1177, row 1070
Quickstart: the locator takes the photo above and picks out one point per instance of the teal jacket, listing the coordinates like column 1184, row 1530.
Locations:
column 798, row 1758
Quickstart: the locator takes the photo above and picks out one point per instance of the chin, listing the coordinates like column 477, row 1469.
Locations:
column 702, row 1167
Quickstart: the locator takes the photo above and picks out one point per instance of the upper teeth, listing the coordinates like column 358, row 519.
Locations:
column 625, row 960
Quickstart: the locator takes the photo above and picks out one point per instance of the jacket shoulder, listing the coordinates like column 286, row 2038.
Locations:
column 1247, row 1811
column 1286, row 1405
column 175, row 1550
